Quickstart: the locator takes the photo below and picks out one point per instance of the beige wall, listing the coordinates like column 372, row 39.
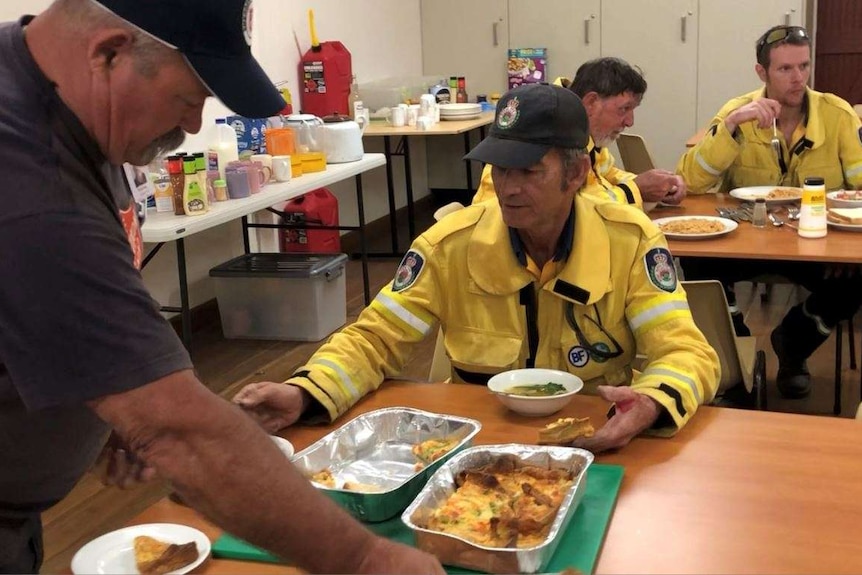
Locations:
column 384, row 38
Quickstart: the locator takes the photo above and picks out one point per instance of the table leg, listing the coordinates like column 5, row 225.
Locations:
column 408, row 182
column 245, row 241
column 363, row 246
column 390, row 189
column 467, row 162
column 185, row 309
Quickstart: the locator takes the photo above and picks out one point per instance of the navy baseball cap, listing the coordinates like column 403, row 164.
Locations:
column 530, row 120
column 214, row 36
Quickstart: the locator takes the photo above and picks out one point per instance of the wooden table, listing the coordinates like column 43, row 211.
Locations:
column 734, row 492
column 769, row 243
column 442, row 128
column 162, row 227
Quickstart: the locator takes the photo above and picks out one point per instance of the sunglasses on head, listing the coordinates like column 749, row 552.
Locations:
column 781, row 34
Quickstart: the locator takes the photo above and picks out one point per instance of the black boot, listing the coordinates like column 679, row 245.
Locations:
column 793, row 341
column 739, row 326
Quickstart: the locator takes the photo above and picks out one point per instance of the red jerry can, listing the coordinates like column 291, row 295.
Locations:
column 318, row 207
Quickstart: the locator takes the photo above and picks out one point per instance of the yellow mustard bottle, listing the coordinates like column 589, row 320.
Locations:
column 812, row 214
column 194, row 199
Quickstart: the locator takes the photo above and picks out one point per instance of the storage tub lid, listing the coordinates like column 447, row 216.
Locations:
column 280, row 265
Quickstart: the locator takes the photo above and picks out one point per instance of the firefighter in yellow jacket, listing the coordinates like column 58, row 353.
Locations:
column 536, row 279
column 819, row 135
column 610, row 90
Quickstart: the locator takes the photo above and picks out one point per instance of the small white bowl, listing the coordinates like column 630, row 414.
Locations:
column 283, row 444
column 535, row 406
column 835, row 199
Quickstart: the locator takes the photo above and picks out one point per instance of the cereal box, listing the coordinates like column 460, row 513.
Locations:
column 527, row 66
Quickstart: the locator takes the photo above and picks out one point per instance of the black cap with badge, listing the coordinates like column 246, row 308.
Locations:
column 214, row 37
column 530, row 120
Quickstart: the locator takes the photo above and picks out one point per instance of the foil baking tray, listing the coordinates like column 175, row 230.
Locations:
column 455, row 551
column 375, row 449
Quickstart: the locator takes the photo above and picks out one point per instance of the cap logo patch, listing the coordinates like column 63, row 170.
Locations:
column 509, row 115
column 660, row 270
column 407, row 272
column 247, row 17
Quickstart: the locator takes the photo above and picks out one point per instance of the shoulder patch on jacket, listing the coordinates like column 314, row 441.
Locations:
column 659, row 268
column 454, row 222
column 408, row 270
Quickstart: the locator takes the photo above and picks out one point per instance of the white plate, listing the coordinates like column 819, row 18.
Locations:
column 751, row 193
column 459, row 108
column 729, row 226
column 283, row 444
column 114, row 552
column 845, row 227
column 833, row 201
column 461, row 117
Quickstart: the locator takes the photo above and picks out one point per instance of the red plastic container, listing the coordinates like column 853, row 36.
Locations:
column 325, row 73
column 316, row 207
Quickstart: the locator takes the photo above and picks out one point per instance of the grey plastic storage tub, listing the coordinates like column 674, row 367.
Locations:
column 285, row 296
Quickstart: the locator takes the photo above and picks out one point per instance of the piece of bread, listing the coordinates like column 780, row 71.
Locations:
column 565, row 430
column 154, row 557
column 845, row 215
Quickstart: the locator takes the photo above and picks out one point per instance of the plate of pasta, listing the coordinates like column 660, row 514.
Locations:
column 772, row 194
column 694, row 227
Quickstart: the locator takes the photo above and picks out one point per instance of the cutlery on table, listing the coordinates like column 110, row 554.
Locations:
column 776, row 143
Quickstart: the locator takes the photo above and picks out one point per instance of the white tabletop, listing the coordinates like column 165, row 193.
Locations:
column 166, row 227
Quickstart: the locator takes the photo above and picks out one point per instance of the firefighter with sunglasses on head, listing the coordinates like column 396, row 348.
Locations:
column 543, row 277
column 819, row 135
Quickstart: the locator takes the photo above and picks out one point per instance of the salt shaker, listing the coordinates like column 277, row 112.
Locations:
column 758, row 216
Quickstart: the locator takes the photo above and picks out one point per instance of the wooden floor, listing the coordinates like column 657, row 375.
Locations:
column 226, row 365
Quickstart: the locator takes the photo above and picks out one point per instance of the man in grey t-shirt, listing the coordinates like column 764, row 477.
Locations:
column 87, row 86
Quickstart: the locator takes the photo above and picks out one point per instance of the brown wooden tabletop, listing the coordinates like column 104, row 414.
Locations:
column 441, row 128
column 734, row 492
column 769, row 243
column 695, row 138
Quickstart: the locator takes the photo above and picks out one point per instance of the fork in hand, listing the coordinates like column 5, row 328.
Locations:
column 776, row 143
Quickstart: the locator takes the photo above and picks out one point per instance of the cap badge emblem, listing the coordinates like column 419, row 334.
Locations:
column 509, row 115
column 247, row 17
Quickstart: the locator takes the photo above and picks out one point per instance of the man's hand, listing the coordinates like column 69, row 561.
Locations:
column 273, row 405
column 635, row 412
column 762, row 111
column 389, row 557
column 119, row 466
column 661, row 186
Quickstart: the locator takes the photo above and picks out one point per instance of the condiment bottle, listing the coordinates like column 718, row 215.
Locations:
column 175, row 171
column 812, row 215
column 220, row 188
column 354, row 101
column 758, row 216
column 461, row 94
column 194, row 198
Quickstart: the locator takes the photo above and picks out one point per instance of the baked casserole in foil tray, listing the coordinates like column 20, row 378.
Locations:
column 375, row 464
column 499, row 508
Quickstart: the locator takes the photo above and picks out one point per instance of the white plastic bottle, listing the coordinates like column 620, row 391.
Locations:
column 222, row 147
column 812, row 213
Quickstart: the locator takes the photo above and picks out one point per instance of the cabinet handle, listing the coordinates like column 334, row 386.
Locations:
column 682, row 29
column 494, row 27
column 587, row 31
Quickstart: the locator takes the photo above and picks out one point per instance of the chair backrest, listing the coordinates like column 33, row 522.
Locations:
column 708, row 306
column 634, row 154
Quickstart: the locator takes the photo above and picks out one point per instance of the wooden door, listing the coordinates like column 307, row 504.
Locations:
column 466, row 38
column 659, row 36
column 571, row 31
column 726, row 55
column 838, row 49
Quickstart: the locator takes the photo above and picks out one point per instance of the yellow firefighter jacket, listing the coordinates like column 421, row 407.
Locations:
column 604, row 180
column 463, row 274
column 830, row 148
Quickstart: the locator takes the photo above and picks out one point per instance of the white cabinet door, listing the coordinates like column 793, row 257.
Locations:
column 570, row 30
column 466, row 38
column 659, row 36
column 729, row 30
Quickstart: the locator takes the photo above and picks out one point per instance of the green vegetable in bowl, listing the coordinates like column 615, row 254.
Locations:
column 541, row 390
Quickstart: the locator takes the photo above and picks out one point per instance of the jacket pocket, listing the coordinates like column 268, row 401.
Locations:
column 476, row 355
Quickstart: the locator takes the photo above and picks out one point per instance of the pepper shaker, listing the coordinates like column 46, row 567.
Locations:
column 758, row 217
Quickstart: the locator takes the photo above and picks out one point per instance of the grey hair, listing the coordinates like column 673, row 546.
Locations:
column 568, row 157
column 82, row 16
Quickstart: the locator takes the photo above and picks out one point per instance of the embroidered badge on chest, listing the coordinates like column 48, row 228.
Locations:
column 409, row 269
column 660, row 270
column 579, row 356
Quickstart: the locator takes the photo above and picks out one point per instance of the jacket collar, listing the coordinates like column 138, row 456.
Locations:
column 495, row 269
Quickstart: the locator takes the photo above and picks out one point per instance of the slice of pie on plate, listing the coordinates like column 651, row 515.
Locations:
column 565, row 430
column 154, row 557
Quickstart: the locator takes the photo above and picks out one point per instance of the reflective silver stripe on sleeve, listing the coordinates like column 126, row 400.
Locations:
column 853, row 172
column 401, row 312
column 706, row 167
column 342, row 375
column 653, row 312
column 659, row 371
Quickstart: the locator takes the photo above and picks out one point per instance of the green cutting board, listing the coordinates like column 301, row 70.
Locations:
column 579, row 547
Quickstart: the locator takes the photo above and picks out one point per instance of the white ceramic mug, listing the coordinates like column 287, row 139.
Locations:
column 423, row 123
column 265, row 160
column 412, row 114
column 397, row 116
column 281, row 168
